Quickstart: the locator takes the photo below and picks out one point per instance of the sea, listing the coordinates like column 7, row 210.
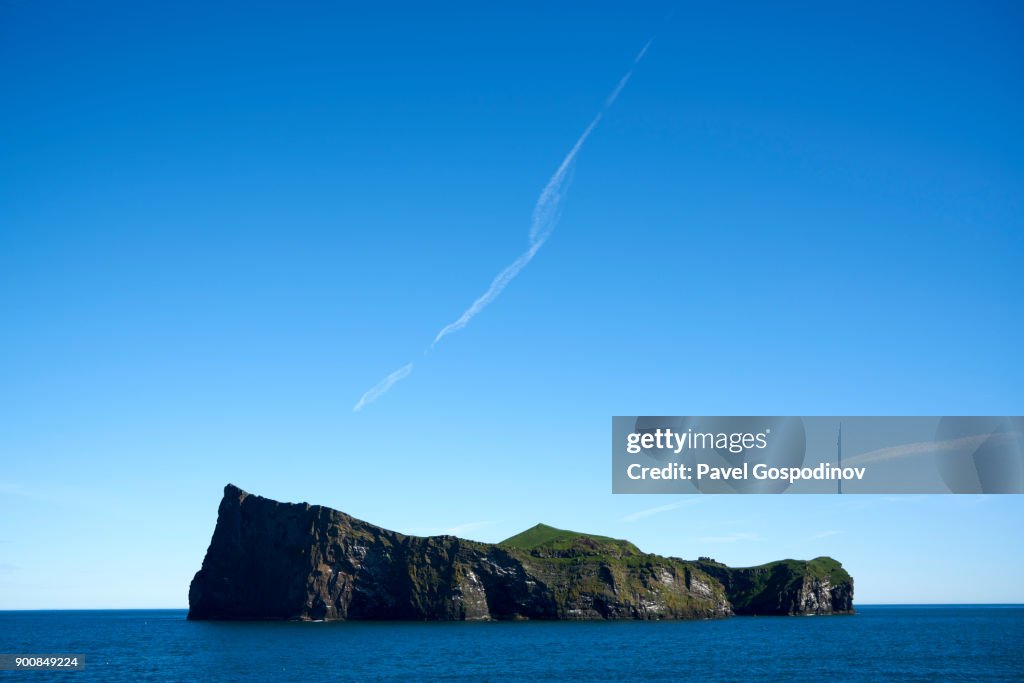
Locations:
column 906, row 643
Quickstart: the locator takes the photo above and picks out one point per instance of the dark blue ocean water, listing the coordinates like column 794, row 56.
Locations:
column 879, row 643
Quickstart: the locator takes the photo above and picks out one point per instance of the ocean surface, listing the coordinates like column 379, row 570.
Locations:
column 878, row 643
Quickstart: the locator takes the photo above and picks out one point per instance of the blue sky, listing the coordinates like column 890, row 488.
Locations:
column 220, row 226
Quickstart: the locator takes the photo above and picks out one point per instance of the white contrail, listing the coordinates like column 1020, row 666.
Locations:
column 499, row 283
column 381, row 387
column 545, row 215
column 618, row 88
column 625, row 79
column 643, row 51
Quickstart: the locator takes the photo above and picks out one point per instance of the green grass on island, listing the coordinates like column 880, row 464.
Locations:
column 547, row 537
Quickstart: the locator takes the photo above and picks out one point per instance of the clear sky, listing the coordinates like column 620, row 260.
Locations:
column 219, row 226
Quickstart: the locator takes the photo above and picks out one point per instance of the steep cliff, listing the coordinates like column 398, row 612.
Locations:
column 818, row 586
column 270, row 560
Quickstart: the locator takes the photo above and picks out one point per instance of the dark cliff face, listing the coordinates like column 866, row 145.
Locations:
column 818, row 586
column 270, row 560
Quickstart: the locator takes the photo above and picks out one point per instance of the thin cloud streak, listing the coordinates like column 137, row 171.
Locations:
column 499, row 283
column 381, row 387
column 618, row 88
column 641, row 514
column 643, row 51
column 546, row 213
column 930, row 448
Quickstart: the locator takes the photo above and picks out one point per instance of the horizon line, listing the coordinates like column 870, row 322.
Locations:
column 185, row 609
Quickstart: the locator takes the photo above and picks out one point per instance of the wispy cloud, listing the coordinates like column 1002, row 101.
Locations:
column 642, row 514
column 625, row 79
column 499, row 283
column 870, row 501
column 546, row 212
column 923, row 448
column 643, row 51
column 381, row 387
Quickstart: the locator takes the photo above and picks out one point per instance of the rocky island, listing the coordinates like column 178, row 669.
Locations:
column 271, row 560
